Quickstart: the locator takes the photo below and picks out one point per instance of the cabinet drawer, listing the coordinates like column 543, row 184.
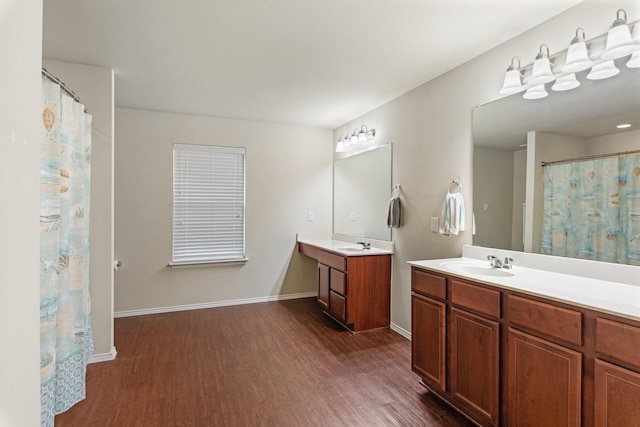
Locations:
column 556, row 322
column 428, row 284
column 332, row 260
column 618, row 340
column 475, row 298
column 338, row 306
column 338, row 282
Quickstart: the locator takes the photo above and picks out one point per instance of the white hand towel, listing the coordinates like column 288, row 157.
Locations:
column 452, row 220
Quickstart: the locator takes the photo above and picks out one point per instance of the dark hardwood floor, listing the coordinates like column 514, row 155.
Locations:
column 271, row 364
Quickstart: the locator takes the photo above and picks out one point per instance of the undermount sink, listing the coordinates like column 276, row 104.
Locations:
column 351, row 249
column 476, row 269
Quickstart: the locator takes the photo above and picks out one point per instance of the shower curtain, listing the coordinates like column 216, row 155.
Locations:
column 592, row 210
column 65, row 328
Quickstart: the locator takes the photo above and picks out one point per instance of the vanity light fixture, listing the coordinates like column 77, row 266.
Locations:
column 541, row 73
column 512, row 79
column 603, row 70
column 623, row 126
column 577, row 54
column 535, row 92
column 567, row 82
column 597, row 54
column 358, row 137
column 619, row 42
column 634, row 61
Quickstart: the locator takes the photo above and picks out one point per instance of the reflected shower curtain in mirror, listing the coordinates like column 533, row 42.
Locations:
column 592, row 210
column 65, row 329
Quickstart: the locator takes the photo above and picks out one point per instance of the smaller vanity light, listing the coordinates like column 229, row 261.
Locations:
column 541, row 73
column 535, row 92
column 604, row 70
column 362, row 135
column 564, row 83
column 623, row 126
column 354, row 137
column 512, row 79
column 619, row 41
column 634, row 62
column 577, row 55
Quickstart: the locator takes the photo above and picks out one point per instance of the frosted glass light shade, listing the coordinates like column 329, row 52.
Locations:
column 512, row 83
column 619, row 42
column 604, row 70
column 541, row 73
column 564, row 83
column 340, row 147
column 535, row 92
column 577, row 58
column 634, row 62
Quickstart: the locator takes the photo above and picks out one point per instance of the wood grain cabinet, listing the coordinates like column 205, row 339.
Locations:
column 617, row 383
column 428, row 342
column 544, row 382
column 354, row 290
column 503, row 358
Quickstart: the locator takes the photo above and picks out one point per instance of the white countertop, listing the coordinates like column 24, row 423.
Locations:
column 610, row 297
column 345, row 248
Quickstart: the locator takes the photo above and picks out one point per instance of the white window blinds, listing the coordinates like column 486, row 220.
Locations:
column 208, row 204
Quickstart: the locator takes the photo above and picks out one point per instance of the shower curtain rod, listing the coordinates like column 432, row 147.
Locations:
column 63, row 86
column 597, row 156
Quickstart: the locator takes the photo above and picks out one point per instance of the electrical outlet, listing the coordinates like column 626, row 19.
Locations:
column 310, row 216
column 352, row 216
column 434, row 224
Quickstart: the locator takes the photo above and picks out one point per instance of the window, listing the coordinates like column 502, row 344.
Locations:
column 208, row 204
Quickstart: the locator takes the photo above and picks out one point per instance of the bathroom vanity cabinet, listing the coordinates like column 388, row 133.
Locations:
column 354, row 290
column 502, row 357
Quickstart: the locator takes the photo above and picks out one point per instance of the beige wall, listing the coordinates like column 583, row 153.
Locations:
column 430, row 127
column 288, row 172
column 614, row 143
column 94, row 86
column 21, row 53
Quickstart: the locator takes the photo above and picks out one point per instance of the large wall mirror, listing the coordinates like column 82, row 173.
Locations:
column 512, row 136
column 361, row 193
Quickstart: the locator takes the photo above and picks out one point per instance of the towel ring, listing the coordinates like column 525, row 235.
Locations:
column 456, row 182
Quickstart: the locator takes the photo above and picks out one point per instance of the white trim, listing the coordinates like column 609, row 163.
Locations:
column 145, row 311
column 103, row 357
column 401, row 331
column 191, row 264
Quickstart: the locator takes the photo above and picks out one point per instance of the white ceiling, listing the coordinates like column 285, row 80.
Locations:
column 305, row 62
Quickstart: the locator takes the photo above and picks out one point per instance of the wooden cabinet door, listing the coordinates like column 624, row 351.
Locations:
column 544, row 382
column 323, row 286
column 428, row 349
column 617, row 396
column 338, row 306
column 474, row 364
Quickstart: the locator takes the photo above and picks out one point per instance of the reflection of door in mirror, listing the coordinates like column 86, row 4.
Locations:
column 361, row 194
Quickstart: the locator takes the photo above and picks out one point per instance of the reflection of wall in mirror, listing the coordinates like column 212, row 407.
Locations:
column 362, row 189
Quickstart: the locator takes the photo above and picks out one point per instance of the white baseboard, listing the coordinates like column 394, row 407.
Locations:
column 401, row 331
column 103, row 357
column 145, row 311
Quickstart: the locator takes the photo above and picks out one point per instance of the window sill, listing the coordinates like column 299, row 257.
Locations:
column 194, row 264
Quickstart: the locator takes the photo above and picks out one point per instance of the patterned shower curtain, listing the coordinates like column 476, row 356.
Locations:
column 65, row 328
column 592, row 210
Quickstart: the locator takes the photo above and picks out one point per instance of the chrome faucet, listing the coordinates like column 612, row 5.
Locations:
column 365, row 245
column 497, row 263
column 494, row 261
